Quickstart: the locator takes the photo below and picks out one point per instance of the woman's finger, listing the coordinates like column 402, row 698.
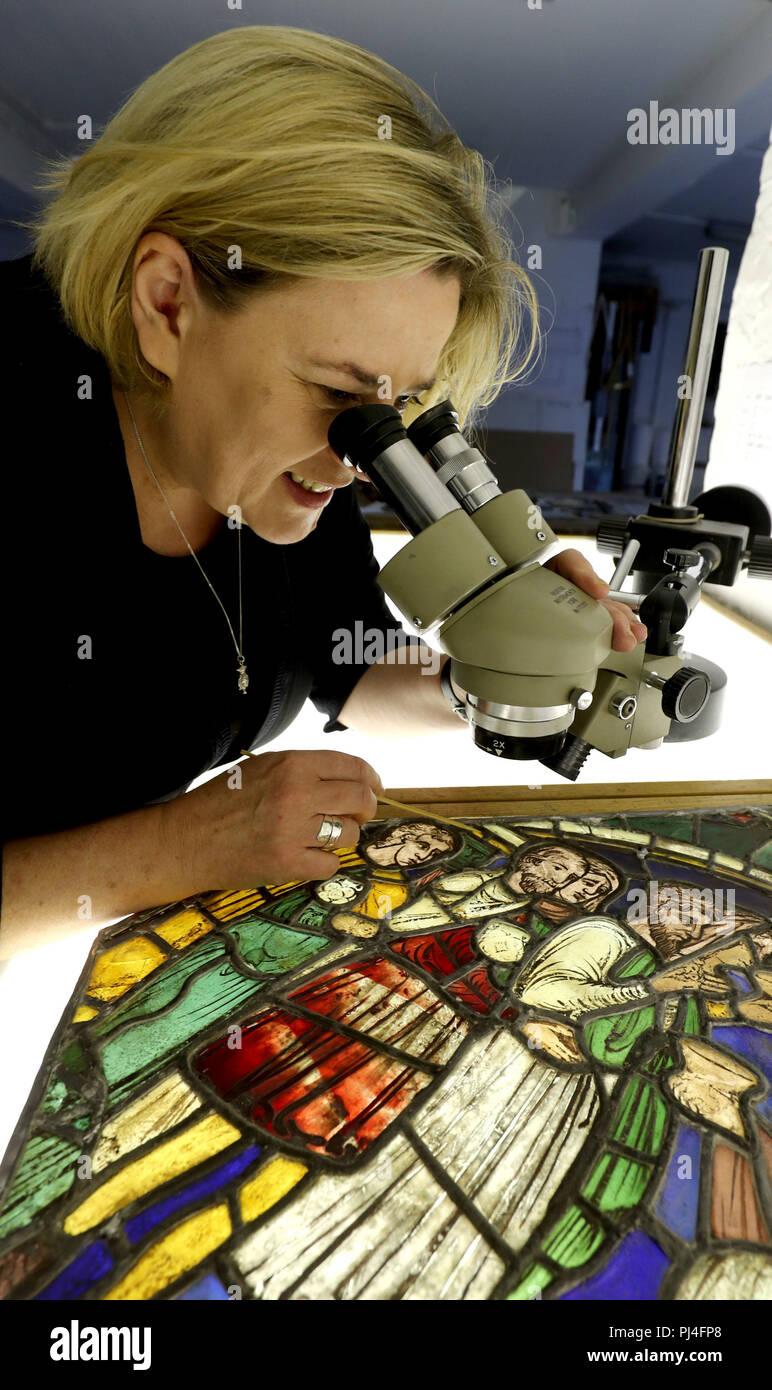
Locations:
column 349, row 835
column 353, row 799
column 627, row 630
column 572, row 565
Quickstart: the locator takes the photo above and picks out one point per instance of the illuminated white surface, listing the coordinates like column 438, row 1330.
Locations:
column 35, row 988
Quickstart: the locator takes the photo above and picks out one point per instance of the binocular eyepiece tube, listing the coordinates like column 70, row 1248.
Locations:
column 373, row 439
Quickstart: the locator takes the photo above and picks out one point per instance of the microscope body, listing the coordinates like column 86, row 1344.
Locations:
column 531, row 650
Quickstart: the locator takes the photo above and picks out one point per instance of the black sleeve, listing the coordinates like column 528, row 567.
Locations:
column 352, row 626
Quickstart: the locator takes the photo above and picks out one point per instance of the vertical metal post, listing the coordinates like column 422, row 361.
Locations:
column 706, row 307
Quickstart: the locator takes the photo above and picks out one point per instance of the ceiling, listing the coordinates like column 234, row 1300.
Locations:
column 543, row 93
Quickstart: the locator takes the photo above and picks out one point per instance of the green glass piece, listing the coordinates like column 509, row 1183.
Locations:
column 55, row 1097
column 670, row 827
column 74, row 1057
column 641, row 1122
column 640, row 963
column 286, row 907
column 610, row 1039
column 732, row 837
column 138, row 1051
column 539, row 927
column 272, row 949
column 46, row 1170
column 472, row 852
column 500, row 974
column 763, row 856
column 660, row 1061
column 574, row 1240
column 312, row 915
column 691, row 1023
column 535, row 1278
column 164, row 987
column 616, row 1183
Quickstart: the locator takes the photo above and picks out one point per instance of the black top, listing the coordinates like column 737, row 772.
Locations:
column 156, row 703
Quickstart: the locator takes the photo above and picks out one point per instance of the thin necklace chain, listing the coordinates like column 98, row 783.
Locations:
column 243, row 677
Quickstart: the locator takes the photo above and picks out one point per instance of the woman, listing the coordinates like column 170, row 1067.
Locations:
column 277, row 225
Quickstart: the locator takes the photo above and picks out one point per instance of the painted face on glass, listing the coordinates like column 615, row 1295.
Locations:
column 408, row 845
column 546, row 869
column 589, row 889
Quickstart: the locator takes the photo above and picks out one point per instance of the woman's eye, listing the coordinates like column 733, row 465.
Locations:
column 339, row 396
column 342, row 397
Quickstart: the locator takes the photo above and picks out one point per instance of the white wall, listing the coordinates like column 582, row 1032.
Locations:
column 741, row 446
column 553, row 399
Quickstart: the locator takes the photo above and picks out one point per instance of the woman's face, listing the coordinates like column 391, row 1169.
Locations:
column 254, row 392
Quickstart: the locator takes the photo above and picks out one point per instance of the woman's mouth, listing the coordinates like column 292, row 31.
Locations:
column 307, row 492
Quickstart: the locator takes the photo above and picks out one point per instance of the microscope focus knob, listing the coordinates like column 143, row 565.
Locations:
column 760, row 557
column 685, row 694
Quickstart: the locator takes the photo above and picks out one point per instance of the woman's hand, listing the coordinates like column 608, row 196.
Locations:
column 571, row 565
column 258, row 822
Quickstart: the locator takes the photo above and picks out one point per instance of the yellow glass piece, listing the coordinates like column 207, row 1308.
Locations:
column 506, row 834
column 717, row 1008
column 759, row 1010
column 422, row 914
column 351, row 859
column 382, row 899
column 678, row 850
column 176, row 1156
column 182, row 1249
column 728, row 861
column 354, row 926
column 631, row 837
column 711, row 1084
column 225, row 906
column 161, row 1108
column 269, row 1186
column 120, row 967
column 84, row 1013
column 184, row 928
column 573, row 827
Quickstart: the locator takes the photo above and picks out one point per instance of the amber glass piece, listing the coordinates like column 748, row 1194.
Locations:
column 120, row 967
column 184, row 928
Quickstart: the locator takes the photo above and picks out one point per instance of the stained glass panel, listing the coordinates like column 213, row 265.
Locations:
column 529, row 1058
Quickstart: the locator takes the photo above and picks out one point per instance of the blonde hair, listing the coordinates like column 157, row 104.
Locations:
column 269, row 138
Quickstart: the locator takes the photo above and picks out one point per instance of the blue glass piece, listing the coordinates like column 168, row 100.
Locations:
column 740, row 979
column 753, row 1046
column 208, row 1288
column 634, row 1272
column 139, row 1225
column 86, row 1269
column 678, row 1200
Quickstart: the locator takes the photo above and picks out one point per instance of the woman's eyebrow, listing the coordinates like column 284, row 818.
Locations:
column 364, row 378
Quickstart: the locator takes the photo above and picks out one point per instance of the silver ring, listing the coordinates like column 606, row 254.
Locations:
column 330, row 832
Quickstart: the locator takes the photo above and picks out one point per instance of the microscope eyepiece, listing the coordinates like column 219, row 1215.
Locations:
column 361, row 433
column 432, row 426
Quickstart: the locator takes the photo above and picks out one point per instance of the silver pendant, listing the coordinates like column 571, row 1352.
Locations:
column 243, row 677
